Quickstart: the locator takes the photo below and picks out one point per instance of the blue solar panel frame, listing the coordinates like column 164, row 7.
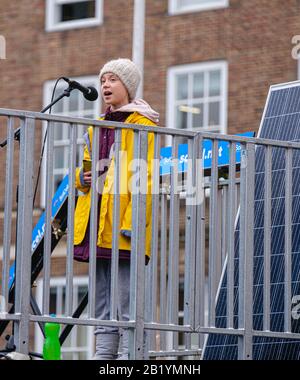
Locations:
column 280, row 121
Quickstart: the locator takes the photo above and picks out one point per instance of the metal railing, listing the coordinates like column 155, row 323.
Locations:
column 193, row 239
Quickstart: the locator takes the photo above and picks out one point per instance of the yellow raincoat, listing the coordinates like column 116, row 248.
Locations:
column 82, row 210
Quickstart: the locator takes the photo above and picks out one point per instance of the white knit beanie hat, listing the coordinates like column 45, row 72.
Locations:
column 127, row 71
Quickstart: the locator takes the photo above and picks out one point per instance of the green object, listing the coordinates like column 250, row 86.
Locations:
column 51, row 349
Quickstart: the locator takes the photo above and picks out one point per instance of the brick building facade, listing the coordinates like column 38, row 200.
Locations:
column 249, row 41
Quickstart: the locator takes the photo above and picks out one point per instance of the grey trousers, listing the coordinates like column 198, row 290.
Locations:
column 107, row 338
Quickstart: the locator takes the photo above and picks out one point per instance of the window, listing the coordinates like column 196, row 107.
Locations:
column 69, row 14
column 76, row 105
column 197, row 97
column 184, row 6
column 79, row 344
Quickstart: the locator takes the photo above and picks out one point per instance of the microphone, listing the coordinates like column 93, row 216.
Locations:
column 90, row 93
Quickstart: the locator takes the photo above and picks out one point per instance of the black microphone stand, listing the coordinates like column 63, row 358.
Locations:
column 66, row 93
column 10, row 346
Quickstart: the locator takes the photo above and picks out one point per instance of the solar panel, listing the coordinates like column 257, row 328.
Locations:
column 281, row 121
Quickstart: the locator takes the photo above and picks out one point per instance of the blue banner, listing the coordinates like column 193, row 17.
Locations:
column 223, row 155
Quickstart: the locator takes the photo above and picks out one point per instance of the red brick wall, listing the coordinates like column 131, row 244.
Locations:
column 35, row 56
column 253, row 36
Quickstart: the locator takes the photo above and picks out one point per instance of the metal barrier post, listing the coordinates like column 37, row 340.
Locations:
column 23, row 261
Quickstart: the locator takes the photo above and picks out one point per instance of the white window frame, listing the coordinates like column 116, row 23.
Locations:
column 51, row 16
column 38, row 336
column 47, row 93
column 175, row 9
column 195, row 68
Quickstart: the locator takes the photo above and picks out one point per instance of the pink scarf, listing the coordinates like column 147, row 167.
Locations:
column 143, row 108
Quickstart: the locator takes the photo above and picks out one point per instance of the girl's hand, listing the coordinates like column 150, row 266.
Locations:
column 87, row 177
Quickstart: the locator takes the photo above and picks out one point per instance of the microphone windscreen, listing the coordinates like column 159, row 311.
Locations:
column 92, row 95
